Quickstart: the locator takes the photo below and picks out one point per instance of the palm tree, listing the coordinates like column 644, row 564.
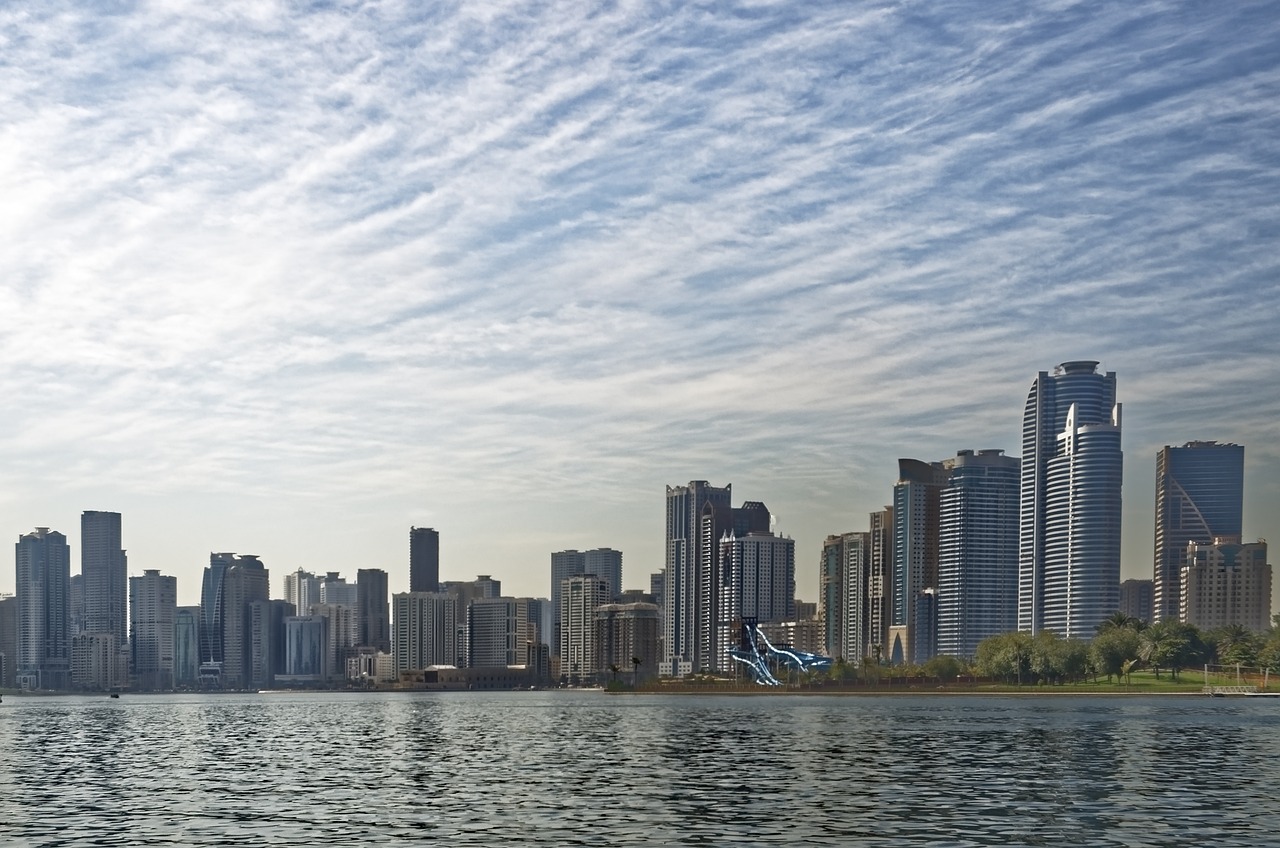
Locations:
column 635, row 670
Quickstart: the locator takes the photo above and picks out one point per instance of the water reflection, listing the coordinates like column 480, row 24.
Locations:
column 584, row 768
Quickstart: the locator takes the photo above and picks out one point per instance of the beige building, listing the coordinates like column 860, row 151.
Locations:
column 97, row 662
column 1225, row 583
column 625, row 632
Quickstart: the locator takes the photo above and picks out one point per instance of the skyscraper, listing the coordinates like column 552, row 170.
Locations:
column 605, row 563
column 916, row 499
column 690, row 548
column 103, row 565
column 977, row 551
column 43, row 562
column 759, row 582
column 1069, row 522
column 845, row 601
column 230, row 583
column 497, row 632
column 372, row 607
column 880, row 566
column 580, row 596
column 1227, row 583
column 424, row 560
column 1199, row 498
column 153, row 609
column 302, row 589
column 424, row 628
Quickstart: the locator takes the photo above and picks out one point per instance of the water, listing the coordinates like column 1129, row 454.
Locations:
column 560, row 768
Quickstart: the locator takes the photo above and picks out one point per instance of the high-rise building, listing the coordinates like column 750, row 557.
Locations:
column 580, row 595
column 77, row 604
column 43, row 562
column 306, row 650
column 334, row 589
column 373, row 609
column 605, row 563
column 845, row 600
column 719, row 523
column 1069, row 523
column 153, row 610
column 267, row 641
column 340, row 618
column 105, row 571
column 186, row 648
column 759, row 574
column 916, row 510
column 302, row 589
column 657, row 582
column 497, row 632
column 424, row 560
column 424, row 630
column 880, row 591
column 540, row 619
column 626, row 633
column 97, row 663
column 1136, row 599
column 1199, row 497
column 977, row 551
column 1225, row 582
column 691, row 545
column 230, row 583
column 8, row 642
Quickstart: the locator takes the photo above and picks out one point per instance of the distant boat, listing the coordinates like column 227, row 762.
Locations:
column 115, row 695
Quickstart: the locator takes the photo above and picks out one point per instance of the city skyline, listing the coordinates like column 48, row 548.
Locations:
column 289, row 282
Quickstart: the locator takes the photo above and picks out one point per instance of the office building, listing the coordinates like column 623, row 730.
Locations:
column 307, row 651
column 186, row 648
column 153, row 610
column 77, row 604
column 1069, row 523
column 977, row 592
column 267, row 641
column 8, row 642
column 424, row 560
column 690, row 549
column 881, row 588
column 1137, row 599
column 916, row 504
column 497, row 632
column 43, row 564
column 626, row 633
column 580, row 596
column 1199, row 498
column 605, row 563
column 104, row 569
column 1224, row 583
column 424, row 630
column 844, row 606
column 759, row 583
column 97, row 662
column 302, row 589
column 373, row 609
column 230, row 583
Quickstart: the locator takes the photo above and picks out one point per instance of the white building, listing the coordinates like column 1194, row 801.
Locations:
column 423, row 630
column 579, row 651
column 153, row 610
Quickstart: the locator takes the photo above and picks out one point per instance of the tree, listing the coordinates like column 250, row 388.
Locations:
column 636, row 662
column 1005, row 656
column 1112, row 648
column 944, row 668
column 1170, row 644
column 1236, row 644
column 1121, row 621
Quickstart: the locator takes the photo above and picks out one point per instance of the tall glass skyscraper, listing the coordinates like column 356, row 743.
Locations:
column 1199, row 497
column 105, row 570
column 690, row 546
column 977, row 551
column 1069, row 516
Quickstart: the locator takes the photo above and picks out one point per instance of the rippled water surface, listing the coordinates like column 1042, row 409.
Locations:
column 557, row 768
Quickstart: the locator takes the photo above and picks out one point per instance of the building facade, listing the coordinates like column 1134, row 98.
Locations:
column 759, row 582
column 1199, row 498
column 153, row 610
column 230, row 583
column 977, row 551
column 917, row 498
column 628, row 640
column 373, row 609
column 497, row 632
column 1225, row 582
column 845, row 596
column 1070, row 499
column 104, row 568
column 690, row 546
column 580, row 596
column 43, row 565
column 424, row 559
column 1137, row 599
column 186, row 648
column 424, row 630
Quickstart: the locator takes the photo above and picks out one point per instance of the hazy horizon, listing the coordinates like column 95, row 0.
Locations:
column 288, row 281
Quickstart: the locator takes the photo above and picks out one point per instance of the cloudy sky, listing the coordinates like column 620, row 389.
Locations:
column 286, row 279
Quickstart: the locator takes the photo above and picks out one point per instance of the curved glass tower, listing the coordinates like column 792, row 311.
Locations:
column 1069, row 514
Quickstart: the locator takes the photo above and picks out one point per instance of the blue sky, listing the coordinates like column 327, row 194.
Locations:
column 286, row 279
